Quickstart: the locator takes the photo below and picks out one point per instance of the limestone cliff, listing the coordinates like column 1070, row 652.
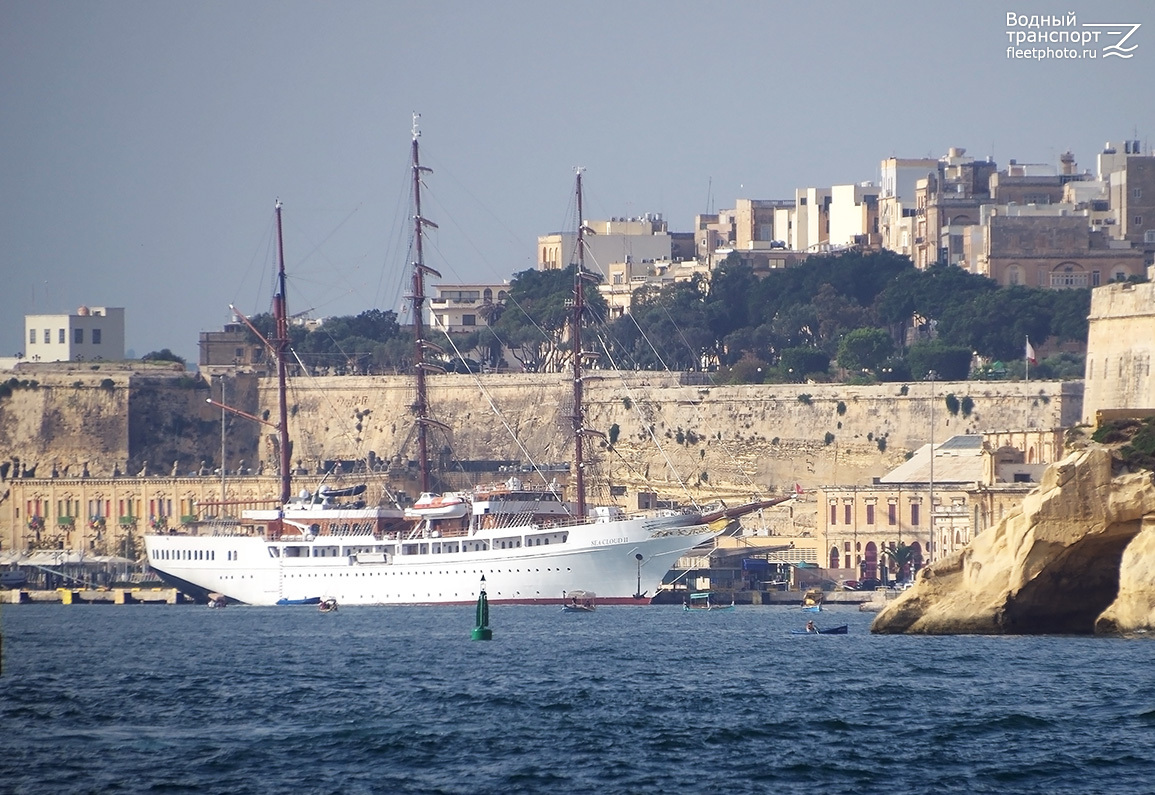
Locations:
column 1077, row 558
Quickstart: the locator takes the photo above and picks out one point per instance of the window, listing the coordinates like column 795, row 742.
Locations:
column 1068, row 278
column 1094, row 278
column 1138, row 220
column 833, row 514
column 892, row 514
column 60, row 336
column 914, row 513
column 1137, row 193
column 96, row 336
column 47, row 336
column 846, row 513
column 78, row 336
column 469, row 320
column 31, row 336
column 870, row 514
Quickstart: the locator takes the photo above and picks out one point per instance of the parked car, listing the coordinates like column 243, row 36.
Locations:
column 850, row 585
column 869, row 584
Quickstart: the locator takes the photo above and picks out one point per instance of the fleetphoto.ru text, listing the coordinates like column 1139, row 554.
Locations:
column 1043, row 37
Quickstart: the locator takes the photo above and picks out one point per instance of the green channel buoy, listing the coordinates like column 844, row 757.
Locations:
column 482, row 630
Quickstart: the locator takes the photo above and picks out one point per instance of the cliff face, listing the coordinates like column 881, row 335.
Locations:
column 1077, row 558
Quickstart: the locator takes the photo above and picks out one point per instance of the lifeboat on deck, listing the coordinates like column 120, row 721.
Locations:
column 438, row 506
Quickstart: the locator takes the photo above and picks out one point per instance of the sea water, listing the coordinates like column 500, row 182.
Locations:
column 145, row 699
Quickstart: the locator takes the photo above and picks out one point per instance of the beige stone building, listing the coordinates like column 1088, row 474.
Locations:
column 623, row 278
column 947, row 201
column 231, row 350
column 1120, row 346
column 1052, row 247
column 896, row 200
column 616, row 240
column 934, row 505
column 108, row 516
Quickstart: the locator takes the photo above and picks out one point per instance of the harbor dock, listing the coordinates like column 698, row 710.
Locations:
column 107, row 596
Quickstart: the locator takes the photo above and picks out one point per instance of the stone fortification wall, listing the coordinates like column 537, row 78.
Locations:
column 68, row 419
column 738, row 439
column 717, row 439
column 1120, row 347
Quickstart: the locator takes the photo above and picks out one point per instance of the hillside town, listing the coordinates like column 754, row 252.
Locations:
column 900, row 470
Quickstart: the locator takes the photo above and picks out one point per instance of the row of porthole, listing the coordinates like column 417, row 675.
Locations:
column 374, row 573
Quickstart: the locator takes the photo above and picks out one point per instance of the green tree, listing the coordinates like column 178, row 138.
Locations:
column 163, row 355
column 537, row 315
column 864, row 349
column 902, row 560
column 797, row 363
column 950, row 362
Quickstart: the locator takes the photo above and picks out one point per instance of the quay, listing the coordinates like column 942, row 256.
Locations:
column 858, row 599
column 106, row 596
column 863, row 600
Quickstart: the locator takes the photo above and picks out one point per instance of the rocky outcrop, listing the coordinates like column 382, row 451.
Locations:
column 1078, row 558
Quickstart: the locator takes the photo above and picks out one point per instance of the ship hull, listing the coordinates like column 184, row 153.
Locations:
column 526, row 565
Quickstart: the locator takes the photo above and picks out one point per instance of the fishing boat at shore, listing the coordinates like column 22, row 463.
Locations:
column 527, row 541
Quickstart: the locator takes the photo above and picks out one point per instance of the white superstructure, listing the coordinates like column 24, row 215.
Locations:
column 362, row 558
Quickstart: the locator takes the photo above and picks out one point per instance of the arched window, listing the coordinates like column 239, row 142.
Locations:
column 870, row 567
column 916, row 555
column 1069, row 275
column 834, row 557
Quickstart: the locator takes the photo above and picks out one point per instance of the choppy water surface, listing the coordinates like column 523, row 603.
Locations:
column 627, row 699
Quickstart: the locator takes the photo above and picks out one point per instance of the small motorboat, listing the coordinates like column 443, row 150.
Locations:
column 816, row 608
column 579, row 602
column 842, row 630
column 703, row 601
column 328, row 605
column 218, row 600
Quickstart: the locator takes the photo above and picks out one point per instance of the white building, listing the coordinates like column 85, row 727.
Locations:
column 463, row 307
column 853, row 213
column 615, row 240
column 92, row 334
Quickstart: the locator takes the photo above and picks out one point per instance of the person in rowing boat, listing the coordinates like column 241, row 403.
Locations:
column 811, row 628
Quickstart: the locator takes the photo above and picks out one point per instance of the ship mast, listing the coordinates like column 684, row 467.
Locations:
column 281, row 346
column 421, row 406
column 576, row 339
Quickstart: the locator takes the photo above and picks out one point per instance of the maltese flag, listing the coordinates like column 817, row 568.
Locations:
column 1031, row 353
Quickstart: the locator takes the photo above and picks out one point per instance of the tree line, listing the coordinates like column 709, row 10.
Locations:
column 860, row 316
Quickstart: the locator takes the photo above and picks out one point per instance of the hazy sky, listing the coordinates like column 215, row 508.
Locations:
column 144, row 143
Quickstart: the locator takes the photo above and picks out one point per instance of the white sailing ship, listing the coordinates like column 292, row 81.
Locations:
column 528, row 542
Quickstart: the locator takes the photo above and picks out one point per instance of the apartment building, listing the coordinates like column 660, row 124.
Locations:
column 91, row 334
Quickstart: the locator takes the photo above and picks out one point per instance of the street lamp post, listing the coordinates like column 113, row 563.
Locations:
column 931, row 376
